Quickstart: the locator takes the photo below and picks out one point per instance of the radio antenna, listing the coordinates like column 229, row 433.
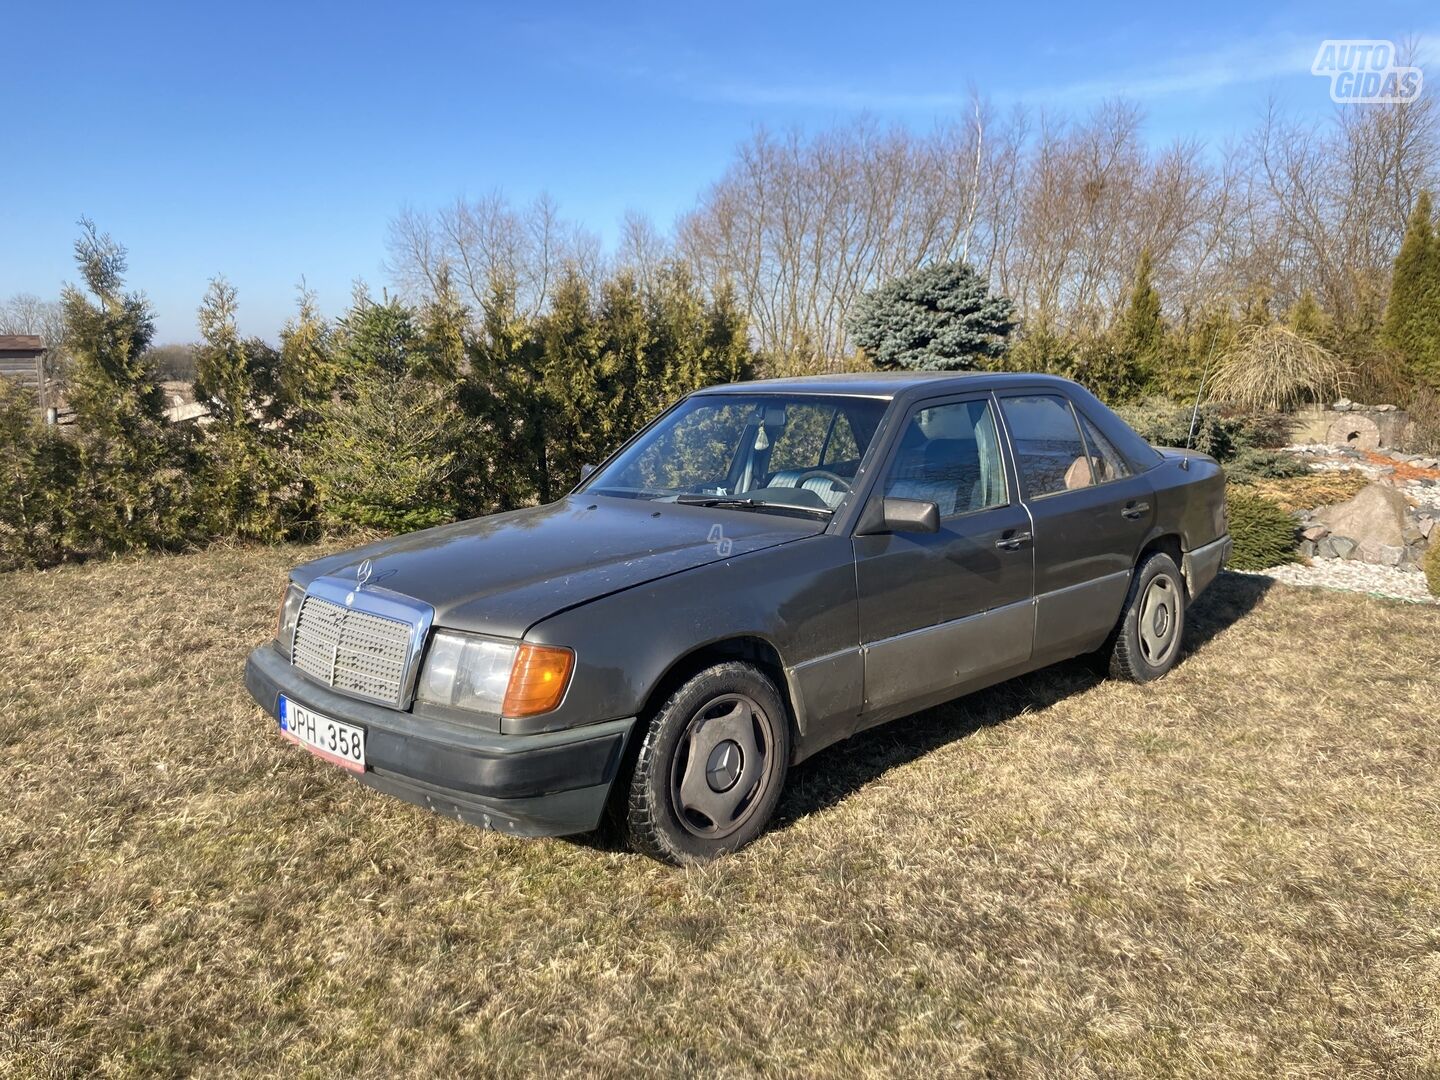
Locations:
column 1199, row 394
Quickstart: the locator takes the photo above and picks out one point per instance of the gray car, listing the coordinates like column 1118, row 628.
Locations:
column 766, row 569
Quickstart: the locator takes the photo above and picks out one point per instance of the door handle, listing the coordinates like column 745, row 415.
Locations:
column 1135, row 510
column 1013, row 541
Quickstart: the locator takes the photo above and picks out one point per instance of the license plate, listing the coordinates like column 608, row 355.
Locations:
column 337, row 742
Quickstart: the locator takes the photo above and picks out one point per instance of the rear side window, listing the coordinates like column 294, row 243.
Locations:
column 1049, row 451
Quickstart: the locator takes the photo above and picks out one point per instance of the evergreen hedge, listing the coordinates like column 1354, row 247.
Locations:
column 394, row 417
column 1222, row 434
column 1250, row 465
column 1264, row 535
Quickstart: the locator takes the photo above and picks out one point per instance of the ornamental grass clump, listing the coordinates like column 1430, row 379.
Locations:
column 1272, row 368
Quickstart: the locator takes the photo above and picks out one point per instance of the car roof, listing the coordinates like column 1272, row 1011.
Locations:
column 889, row 385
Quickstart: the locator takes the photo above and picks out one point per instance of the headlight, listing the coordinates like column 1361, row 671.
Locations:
column 501, row 677
column 289, row 614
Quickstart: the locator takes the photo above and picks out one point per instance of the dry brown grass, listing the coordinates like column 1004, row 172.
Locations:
column 1307, row 492
column 1271, row 368
column 1234, row 871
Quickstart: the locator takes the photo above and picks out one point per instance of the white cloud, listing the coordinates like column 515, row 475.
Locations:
column 1250, row 62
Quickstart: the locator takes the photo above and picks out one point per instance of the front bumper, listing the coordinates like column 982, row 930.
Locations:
column 530, row 785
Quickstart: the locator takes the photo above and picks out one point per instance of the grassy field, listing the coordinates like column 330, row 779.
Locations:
column 1233, row 871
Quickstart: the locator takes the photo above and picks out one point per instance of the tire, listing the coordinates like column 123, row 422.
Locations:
column 1146, row 644
column 682, row 809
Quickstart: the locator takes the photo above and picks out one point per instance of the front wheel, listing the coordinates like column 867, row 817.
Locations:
column 1147, row 641
column 711, row 768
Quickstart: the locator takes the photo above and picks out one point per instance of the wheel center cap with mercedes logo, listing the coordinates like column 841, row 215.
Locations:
column 723, row 767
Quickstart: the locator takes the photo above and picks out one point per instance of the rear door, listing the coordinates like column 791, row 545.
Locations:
column 943, row 611
column 1091, row 515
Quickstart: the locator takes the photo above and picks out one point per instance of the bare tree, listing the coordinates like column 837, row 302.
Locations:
column 485, row 240
column 642, row 248
column 803, row 226
column 1327, row 204
column 25, row 313
column 1054, row 210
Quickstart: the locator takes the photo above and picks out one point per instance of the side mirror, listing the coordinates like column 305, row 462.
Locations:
column 911, row 515
column 898, row 516
column 585, row 471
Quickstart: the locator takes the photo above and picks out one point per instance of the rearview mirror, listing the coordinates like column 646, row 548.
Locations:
column 911, row 515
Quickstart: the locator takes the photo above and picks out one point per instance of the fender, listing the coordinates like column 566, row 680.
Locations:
column 799, row 599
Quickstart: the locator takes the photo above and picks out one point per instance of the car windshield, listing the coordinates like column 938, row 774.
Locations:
column 753, row 451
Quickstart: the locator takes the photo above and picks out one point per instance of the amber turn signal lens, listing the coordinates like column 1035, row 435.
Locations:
column 537, row 680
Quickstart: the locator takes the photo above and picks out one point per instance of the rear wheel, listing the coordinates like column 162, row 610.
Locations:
column 711, row 768
column 1147, row 641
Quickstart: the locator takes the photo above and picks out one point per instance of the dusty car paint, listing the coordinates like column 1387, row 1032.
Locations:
column 504, row 573
column 858, row 626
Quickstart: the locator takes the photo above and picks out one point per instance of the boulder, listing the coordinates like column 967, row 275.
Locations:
column 1373, row 519
column 1344, row 547
column 1426, row 525
column 1388, row 555
column 1325, row 549
column 1315, row 532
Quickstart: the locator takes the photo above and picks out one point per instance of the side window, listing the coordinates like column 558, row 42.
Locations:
column 1048, row 449
column 950, row 455
column 844, row 448
column 1105, row 461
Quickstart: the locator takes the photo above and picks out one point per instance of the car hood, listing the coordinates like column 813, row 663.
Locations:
column 504, row 573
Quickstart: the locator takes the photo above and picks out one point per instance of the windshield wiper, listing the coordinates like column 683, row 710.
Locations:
column 739, row 502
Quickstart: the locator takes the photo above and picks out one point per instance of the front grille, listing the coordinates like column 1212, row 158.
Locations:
column 353, row 651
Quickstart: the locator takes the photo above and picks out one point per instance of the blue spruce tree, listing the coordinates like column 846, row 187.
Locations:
column 939, row 318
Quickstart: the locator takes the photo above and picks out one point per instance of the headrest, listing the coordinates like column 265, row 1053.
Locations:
column 1079, row 474
column 948, row 422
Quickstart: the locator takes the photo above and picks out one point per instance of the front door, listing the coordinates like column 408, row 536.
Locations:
column 943, row 612
column 1091, row 514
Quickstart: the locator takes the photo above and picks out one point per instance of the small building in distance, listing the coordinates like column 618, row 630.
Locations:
column 22, row 357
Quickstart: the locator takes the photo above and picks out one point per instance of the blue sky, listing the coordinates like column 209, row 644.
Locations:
column 266, row 142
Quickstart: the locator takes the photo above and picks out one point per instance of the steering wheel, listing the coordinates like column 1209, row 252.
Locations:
column 839, row 481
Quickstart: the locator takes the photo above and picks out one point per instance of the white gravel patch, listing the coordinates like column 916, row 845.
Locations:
column 1351, row 576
